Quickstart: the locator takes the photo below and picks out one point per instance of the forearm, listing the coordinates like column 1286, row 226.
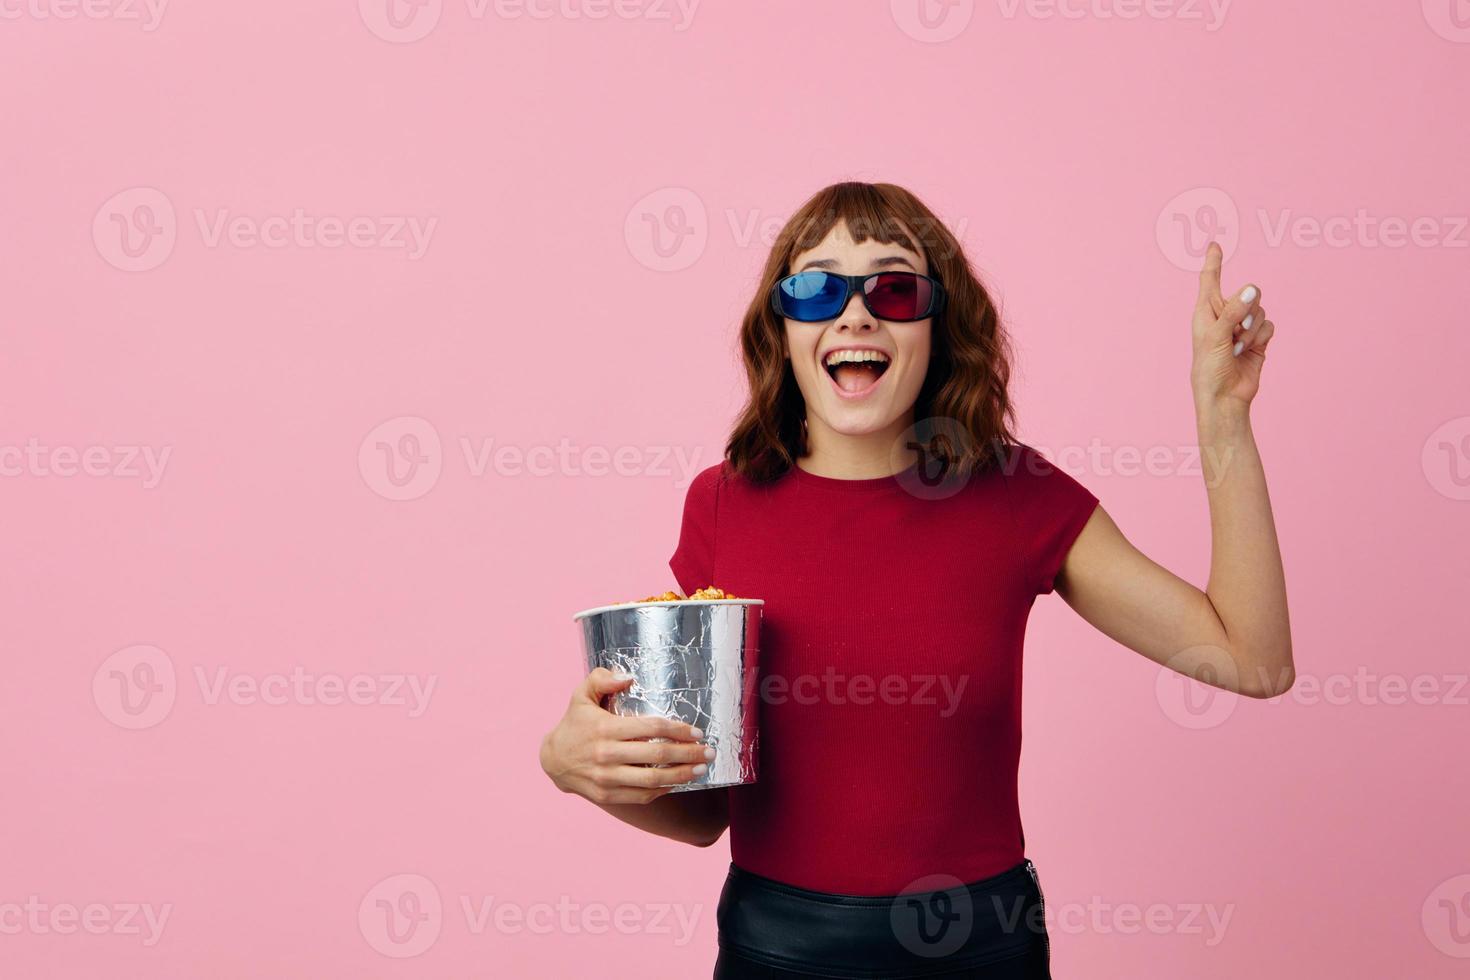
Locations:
column 1247, row 585
column 697, row 818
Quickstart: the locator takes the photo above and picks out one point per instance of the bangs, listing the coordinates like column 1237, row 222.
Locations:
column 868, row 213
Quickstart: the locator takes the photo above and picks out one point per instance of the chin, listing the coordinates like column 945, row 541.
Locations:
column 847, row 419
column 860, row 423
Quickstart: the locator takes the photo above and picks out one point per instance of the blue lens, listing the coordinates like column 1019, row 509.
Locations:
column 812, row 296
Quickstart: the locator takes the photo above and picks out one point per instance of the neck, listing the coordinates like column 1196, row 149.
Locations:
column 856, row 457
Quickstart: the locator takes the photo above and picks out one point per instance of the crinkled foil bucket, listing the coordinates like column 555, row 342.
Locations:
column 694, row 661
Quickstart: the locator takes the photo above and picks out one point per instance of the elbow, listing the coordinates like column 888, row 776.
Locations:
column 1266, row 682
column 705, row 833
column 1269, row 690
column 1288, row 681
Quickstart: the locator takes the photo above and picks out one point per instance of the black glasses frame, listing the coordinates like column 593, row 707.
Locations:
column 937, row 295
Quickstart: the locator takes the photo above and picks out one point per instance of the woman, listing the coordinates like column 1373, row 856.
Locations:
column 873, row 495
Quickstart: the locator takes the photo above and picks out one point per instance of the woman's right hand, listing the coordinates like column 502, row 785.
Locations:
column 607, row 758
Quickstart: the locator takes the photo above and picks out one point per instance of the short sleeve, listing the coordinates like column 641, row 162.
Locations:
column 1052, row 509
column 693, row 561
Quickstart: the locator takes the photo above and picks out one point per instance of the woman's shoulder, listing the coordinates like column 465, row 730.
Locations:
column 722, row 477
column 1024, row 462
column 707, row 482
column 703, row 494
column 1051, row 507
column 1034, row 480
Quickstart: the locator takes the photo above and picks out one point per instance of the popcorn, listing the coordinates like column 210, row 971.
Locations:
column 708, row 592
column 665, row 597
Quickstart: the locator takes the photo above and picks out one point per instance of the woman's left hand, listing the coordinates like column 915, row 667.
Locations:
column 1230, row 338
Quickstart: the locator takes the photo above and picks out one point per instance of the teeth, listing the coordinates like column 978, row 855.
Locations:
column 854, row 357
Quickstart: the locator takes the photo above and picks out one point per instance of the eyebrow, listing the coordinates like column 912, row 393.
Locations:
column 886, row 262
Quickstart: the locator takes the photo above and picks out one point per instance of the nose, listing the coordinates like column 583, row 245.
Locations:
column 855, row 317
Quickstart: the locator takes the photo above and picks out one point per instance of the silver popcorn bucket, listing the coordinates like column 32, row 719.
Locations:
column 692, row 660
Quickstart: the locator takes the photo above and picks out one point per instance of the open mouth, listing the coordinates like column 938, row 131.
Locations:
column 855, row 371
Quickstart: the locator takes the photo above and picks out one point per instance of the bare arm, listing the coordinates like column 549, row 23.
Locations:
column 697, row 818
column 607, row 759
column 1235, row 634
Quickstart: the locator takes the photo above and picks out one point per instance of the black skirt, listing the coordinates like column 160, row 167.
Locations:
column 991, row 929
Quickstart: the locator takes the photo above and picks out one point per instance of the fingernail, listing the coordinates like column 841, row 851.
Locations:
column 1246, row 323
column 696, row 733
column 701, row 769
column 622, row 677
column 1248, row 294
column 1239, row 346
column 709, row 753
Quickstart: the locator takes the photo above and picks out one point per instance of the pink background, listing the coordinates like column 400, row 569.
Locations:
column 1071, row 152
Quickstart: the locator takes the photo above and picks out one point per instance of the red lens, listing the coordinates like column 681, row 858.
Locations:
column 899, row 296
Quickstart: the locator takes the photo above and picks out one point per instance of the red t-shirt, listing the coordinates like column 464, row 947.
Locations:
column 890, row 663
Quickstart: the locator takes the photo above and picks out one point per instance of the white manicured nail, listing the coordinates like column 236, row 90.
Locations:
column 1239, row 346
column 1248, row 295
column 701, row 769
column 696, row 732
column 1246, row 323
column 709, row 754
